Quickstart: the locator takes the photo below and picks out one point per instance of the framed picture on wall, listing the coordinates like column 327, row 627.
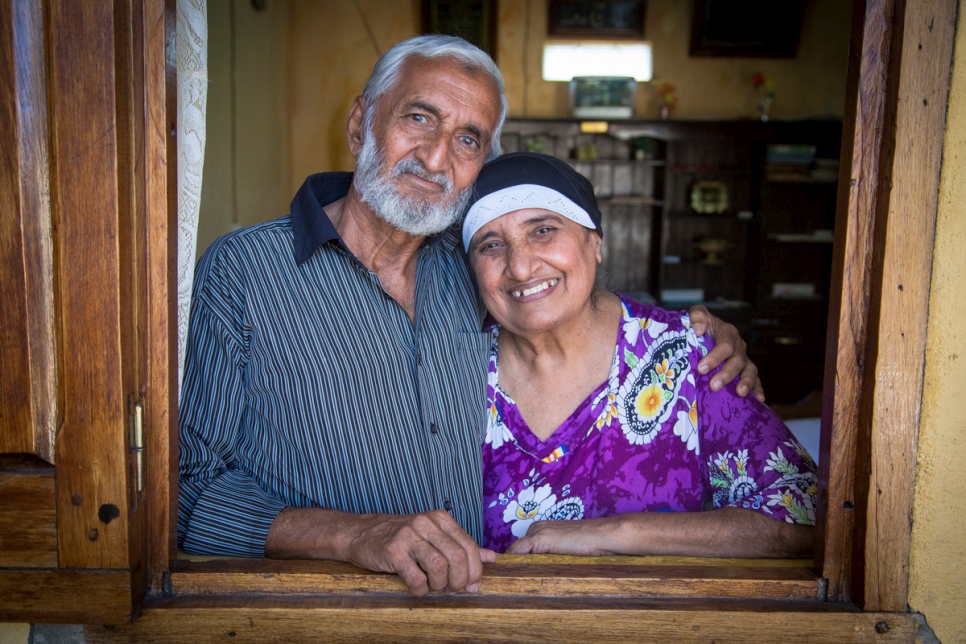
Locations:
column 597, row 19
column 473, row 20
column 749, row 29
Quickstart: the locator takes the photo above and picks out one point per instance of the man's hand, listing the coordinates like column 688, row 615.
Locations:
column 728, row 348
column 429, row 551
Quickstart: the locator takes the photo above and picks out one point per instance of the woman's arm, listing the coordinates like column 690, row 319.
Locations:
column 725, row 532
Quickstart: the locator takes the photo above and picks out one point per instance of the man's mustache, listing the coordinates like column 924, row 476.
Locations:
column 414, row 166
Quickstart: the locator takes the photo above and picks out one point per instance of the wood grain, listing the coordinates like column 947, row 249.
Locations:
column 28, row 375
column 461, row 618
column 92, row 471
column 66, row 596
column 161, row 241
column 586, row 579
column 28, row 519
column 865, row 142
column 902, row 294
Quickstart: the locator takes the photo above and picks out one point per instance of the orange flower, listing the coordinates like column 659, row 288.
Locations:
column 665, row 373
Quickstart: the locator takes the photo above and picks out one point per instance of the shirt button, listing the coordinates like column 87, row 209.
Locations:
column 433, row 429
column 448, row 506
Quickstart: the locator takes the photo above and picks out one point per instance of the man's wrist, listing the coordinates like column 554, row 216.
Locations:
column 314, row 533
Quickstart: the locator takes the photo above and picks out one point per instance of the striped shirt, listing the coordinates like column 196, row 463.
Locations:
column 307, row 385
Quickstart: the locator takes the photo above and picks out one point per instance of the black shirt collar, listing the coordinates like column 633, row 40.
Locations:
column 311, row 226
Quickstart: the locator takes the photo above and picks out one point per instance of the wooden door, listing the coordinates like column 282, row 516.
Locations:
column 84, row 258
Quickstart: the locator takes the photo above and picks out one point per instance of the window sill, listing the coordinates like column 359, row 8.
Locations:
column 513, row 576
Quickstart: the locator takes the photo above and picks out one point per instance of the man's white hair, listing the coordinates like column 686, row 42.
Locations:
column 386, row 73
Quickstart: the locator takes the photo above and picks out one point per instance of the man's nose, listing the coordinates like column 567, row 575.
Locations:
column 434, row 152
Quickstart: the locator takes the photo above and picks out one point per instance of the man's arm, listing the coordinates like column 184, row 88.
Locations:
column 730, row 349
column 429, row 551
column 221, row 509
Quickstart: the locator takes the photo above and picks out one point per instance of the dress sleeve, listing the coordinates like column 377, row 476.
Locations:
column 749, row 457
column 221, row 508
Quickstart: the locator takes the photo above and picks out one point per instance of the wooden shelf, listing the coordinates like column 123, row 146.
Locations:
column 791, row 177
column 724, row 217
column 798, row 238
column 630, row 199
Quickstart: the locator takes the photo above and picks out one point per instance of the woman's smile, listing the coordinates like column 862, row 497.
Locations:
column 541, row 289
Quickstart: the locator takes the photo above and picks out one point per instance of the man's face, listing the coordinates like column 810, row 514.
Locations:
column 429, row 138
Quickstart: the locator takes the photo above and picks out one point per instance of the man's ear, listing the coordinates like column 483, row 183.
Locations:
column 355, row 132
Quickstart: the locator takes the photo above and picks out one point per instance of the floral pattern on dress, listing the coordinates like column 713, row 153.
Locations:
column 687, row 426
column 798, row 497
column 648, row 396
column 538, row 503
column 637, row 443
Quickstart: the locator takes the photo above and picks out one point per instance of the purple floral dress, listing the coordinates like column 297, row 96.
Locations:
column 653, row 438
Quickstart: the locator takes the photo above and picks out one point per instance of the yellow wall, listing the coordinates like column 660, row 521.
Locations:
column 247, row 149
column 937, row 584
column 299, row 64
column 810, row 85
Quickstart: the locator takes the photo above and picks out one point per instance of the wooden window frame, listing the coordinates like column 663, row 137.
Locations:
column 873, row 377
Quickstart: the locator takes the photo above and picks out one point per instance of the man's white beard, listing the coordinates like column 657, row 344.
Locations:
column 419, row 217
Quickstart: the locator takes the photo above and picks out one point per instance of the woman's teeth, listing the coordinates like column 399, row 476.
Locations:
column 535, row 289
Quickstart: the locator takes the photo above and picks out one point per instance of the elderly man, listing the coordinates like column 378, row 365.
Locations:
column 336, row 372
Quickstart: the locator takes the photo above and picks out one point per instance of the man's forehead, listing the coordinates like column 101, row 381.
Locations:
column 418, row 73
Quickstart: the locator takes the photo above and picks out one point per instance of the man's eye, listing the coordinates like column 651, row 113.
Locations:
column 419, row 118
column 469, row 141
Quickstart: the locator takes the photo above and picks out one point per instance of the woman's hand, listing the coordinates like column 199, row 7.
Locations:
column 588, row 538
column 728, row 348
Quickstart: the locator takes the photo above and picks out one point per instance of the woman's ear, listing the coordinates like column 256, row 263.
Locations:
column 598, row 243
column 355, row 132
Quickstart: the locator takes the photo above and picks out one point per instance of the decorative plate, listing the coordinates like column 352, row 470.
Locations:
column 709, row 197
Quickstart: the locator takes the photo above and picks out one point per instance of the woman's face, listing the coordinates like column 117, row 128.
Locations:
column 535, row 268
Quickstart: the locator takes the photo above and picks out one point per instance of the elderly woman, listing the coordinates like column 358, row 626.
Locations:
column 603, row 437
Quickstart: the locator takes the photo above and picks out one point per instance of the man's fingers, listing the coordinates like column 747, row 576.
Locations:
column 716, row 356
column 434, row 564
column 412, row 574
column 700, row 316
column 759, row 390
column 462, row 555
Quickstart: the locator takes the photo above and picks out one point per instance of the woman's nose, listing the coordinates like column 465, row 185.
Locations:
column 521, row 261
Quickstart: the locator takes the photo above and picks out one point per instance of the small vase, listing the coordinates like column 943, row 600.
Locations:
column 664, row 112
column 764, row 106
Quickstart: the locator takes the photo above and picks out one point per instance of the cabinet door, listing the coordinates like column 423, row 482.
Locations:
column 82, row 177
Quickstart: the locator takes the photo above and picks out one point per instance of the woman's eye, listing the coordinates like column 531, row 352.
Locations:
column 543, row 231
column 490, row 248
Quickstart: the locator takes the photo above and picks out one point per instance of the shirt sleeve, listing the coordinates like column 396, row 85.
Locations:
column 221, row 508
column 750, row 458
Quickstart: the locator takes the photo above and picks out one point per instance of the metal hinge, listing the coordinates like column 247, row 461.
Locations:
column 137, row 442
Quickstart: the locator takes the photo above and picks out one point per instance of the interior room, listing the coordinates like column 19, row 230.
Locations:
column 792, row 167
column 758, row 132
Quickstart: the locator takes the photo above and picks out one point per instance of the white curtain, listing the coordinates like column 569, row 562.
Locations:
column 192, row 49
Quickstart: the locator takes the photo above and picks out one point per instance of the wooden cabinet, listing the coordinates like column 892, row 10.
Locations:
column 704, row 212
